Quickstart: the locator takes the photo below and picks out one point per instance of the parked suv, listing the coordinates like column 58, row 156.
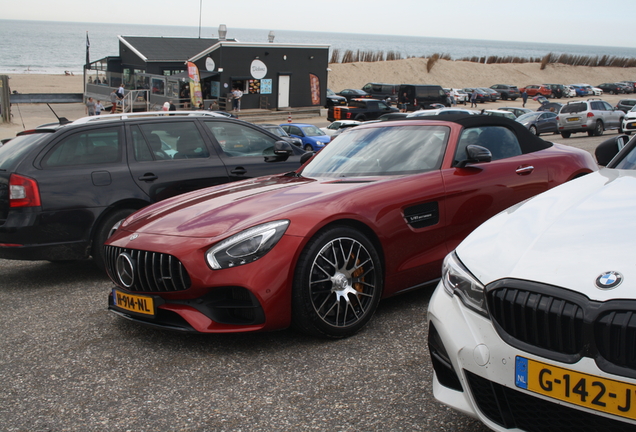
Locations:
column 592, row 116
column 558, row 90
column 507, row 91
column 423, row 96
column 386, row 92
column 63, row 189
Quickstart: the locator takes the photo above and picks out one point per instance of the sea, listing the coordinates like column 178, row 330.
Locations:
column 43, row 47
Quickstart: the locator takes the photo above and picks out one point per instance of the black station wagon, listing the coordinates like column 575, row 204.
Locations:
column 63, row 188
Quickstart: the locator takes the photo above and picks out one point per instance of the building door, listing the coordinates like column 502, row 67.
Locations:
column 283, row 91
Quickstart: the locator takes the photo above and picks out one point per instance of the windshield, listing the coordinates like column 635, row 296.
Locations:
column 381, row 151
column 276, row 130
column 312, row 131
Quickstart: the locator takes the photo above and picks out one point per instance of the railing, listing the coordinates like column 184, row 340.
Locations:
column 135, row 98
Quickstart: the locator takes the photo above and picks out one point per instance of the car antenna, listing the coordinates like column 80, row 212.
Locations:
column 62, row 120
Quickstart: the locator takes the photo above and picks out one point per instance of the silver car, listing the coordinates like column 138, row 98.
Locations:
column 593, row 116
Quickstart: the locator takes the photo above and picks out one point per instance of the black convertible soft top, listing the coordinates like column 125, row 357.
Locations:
column 527, row 141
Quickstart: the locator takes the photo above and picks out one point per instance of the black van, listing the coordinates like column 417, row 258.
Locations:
column 386, row 92
column 422, row 96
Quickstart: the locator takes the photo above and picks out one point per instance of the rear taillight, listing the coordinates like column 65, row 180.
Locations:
column 590, row 114
column 23, row 192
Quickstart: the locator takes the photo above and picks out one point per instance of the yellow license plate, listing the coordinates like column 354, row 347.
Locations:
column 589, row 391
column 574, row 118
column 134, row 303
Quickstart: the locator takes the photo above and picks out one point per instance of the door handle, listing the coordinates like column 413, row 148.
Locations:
column 239, row 171
column 524, row 169
column 148, row 177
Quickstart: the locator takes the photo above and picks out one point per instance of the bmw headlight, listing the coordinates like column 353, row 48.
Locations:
column 246, row 246
column 458, row 281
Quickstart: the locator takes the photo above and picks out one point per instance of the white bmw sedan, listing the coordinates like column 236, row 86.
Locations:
column 533, row 325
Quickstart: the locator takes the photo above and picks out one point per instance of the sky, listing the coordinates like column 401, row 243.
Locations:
column 583, row 22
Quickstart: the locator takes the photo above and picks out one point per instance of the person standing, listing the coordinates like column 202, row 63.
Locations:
column 473, row 99
column 236, row 100
column 113, row 101
column 90, row 106
column 173, row 107
column 403, row 102
column 99, row 107
column 524, row 96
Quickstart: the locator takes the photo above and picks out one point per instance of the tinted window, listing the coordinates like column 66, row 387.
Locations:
column 169, row 140
column 237, row 140
column 96, row 146
column 14, row 151
column 501, row 142
column 574, row 107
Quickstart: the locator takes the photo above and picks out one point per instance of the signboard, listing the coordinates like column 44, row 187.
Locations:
column 258, row 69
column 196, row 96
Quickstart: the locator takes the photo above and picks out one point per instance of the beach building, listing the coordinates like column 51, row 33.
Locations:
column 155, row 70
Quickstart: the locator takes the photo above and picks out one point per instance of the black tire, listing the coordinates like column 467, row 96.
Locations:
column 553, row 96
column 105, row 229
column 504, row 96
column 308, row 147
column 598, row 129
column 337, row 283
column 533, row 130
column 566, row 134
column 361, row 118
column 513, row 99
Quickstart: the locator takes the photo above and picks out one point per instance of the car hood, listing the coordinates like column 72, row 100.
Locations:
column 565, row 237
column 223, row 210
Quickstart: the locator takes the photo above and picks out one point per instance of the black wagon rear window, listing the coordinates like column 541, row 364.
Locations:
column 12, row 153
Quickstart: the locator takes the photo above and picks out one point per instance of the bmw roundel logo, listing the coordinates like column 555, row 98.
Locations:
column 125, row 270
column 609, row 280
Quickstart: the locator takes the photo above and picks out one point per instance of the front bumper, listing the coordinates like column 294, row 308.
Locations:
column 629, row 124
column 475, row 374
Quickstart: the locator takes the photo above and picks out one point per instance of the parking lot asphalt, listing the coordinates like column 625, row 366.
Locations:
column 67, row 364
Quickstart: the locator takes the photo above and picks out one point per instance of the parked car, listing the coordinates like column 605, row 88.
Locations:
column 558, row 90
column 626, row 88
column 353, row 94
column 360, row 110
column 629, row 121
column 441, row 111
column 580, row 91
column 517, row 111
column 507, row 91
column 422, row 96
column 370, row 216
column 494, row 95
column 481, row 96
column 629, row 84
column 569, row 92
column 334, row 100
column 611, row 88
column 537, row 90
column 593, row 116
column 460, row 95
column 626, row 104
column 385, row 92
column 334, row 126
column 313, row 139
column 550, row 106
column 280, row 132
column 498, row 113
column 62, row 189
column 531, row 327
column 540, row 122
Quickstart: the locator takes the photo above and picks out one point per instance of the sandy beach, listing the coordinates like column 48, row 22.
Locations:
column 346, row 75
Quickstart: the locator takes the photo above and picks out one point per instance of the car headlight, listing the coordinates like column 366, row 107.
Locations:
column 246, row 246
column 457, row 280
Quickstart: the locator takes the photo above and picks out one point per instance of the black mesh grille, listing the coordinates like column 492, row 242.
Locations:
column 510, row 408
column 540, row 320
column 563, row 325
column 615, row 334
column 153, row 272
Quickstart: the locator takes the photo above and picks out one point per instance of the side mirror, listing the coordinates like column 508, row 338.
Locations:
column 304, row 158
column 282, row 151
column 476, row 154
column 609, row 148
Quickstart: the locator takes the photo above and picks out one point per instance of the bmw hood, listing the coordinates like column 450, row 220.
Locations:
column 568, row 236
column 212, row 212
